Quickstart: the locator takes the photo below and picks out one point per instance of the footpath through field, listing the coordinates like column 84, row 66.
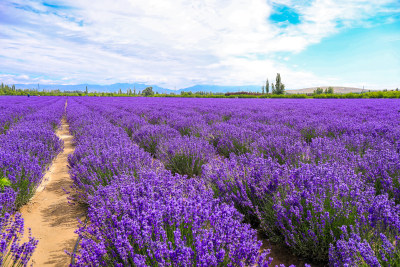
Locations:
column 52, row 219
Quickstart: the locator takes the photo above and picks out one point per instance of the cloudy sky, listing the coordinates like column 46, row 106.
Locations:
column 179, row 43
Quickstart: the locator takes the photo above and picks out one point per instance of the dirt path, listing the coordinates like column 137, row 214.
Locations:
column 52, row 219
column 282, row 255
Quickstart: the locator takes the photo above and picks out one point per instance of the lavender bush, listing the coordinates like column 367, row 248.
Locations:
column 149, row 136
column 165, row 220
column 12, row 251
column 228, row 139
column 102, row 152
column 185, row 155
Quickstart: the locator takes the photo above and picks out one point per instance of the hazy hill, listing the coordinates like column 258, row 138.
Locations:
column 221, row 89
column 336, row 90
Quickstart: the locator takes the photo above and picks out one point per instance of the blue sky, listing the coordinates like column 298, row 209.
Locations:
column 179, row 43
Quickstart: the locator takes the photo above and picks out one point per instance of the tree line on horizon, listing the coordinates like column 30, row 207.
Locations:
column 277, row 91
column 319, row 90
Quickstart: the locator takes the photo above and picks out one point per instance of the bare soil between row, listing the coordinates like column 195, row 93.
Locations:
column 52, row 219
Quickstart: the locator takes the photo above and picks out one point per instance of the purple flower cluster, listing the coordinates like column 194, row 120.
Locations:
column 301, row 171
column 28, row 144
column 12, row 251
column 11, row 110
column 352, row 250
column 149, row 136
column 185, row 155
column 140, row 213
column 162, row 219
column 102, row 151
column 229, row 138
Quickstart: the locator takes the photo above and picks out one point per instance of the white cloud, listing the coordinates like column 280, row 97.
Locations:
column 167, row 42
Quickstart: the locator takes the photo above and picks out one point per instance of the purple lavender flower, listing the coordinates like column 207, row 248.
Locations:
column 164, row 219
column 185, row 155
column 149, row 136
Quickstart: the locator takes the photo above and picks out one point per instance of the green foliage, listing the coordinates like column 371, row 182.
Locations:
column 377, row 94
column 279, row 86
column 317, row 248
column 150, row 146
column 318, row 91
column 329, row 90
column 23, row 186
column 235, row 147
column 185, row 131
column 148, row 91
column 5, row 127
column 226, row 117
column 185, row 165
column 4, row 182
column 129, row 131
column 308, row 134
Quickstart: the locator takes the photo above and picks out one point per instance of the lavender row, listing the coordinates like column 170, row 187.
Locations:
column 14, row 108
column 26, row 149
column 141, row 214
column 321, row 176
column 180, row 153
column 29, row 146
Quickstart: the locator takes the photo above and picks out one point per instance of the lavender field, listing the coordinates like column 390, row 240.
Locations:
column 202, row 182
column 27, row 145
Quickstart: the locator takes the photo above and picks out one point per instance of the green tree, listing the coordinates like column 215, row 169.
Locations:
column 318, row 91
column 329, row 90
column 267, row 86
column 262, row 89
column 273, row 88
column 279, row 86
column 86, row 91
column 148, row 91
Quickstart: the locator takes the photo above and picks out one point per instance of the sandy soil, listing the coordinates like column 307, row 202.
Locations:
column 282, row 255
column 52, row 219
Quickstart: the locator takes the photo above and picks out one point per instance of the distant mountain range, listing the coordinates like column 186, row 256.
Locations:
column 197, row 88
column 94, row 87
column 139, row 87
